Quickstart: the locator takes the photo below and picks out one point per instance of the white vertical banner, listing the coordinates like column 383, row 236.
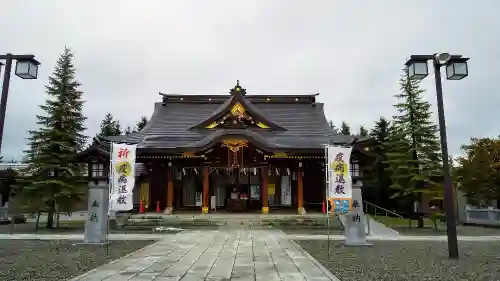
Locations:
column 123, row 176
column 339, row 179
column 286, row 191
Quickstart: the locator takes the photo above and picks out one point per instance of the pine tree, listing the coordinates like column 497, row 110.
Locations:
column 345, row 129
column 128, row 130
column 414, row 158
column 109, row 126
column 363, row 132
column 379, row 191
column 54, row 146
column 142, row 123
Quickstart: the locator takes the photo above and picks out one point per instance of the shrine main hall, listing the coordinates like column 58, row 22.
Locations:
column 236, row 153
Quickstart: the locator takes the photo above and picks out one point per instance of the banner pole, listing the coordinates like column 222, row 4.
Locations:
column 327, row 212
column 110, row 186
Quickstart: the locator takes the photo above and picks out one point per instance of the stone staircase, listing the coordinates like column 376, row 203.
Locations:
column 216, row 221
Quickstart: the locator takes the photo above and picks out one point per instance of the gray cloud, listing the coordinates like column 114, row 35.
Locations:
column 349, row 51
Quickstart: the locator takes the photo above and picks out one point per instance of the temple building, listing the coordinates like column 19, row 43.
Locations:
column 236, row 152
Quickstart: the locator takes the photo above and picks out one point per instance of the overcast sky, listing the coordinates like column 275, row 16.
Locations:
column 351, row 52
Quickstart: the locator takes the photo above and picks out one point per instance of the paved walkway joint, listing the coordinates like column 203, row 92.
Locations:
column 240, row 254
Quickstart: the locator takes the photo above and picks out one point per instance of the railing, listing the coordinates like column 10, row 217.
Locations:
column 367, row 219
column 482, row 216
column 3, row 214
column 377, row 210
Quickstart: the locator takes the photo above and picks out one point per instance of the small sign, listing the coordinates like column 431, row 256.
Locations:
column 286, row 191
column 254, row 191
column 271, row 189
column 198, row 199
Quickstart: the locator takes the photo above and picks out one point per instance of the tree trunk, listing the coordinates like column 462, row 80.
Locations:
column 38, row 213
column 50, row 219
column 58, row 215
column 420, row 211
column 50, row 215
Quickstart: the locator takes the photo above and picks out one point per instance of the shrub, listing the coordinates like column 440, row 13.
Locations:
column 18, row 219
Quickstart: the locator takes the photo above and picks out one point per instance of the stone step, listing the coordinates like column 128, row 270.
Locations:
column 169, row 221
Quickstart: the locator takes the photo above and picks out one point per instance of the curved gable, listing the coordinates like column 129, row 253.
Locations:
column 238, row 112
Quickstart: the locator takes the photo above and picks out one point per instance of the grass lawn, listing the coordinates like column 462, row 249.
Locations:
column 403, row 227
column 408, row 260
column 48, row 260
column 393, row 221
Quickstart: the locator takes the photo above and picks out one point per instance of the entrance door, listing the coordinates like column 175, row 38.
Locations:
column 158, row 188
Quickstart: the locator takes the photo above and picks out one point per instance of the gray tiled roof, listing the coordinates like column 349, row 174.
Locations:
column 305, row 127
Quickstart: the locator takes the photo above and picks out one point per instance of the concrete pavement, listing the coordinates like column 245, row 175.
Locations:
column 240, row 254
column 153, row 236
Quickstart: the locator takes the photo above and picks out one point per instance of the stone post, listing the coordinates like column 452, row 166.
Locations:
column 96, row 225
column 354, row 228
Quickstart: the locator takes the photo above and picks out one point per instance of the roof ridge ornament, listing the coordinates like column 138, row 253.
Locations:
column 238, row 89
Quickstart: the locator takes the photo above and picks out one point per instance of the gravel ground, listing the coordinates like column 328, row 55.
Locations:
column 405, row 260
column 43, row 260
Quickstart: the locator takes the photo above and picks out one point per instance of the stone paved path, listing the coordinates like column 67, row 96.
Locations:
column 240, row 254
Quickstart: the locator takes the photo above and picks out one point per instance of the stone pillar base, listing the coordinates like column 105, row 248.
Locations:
column 265, row 210
column 301, row 211
column 169, row 210
column 204, row 210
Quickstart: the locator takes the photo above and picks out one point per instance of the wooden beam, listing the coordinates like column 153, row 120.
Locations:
column 300, row 191
column 263, row 189
column 170, row 192
column 206, row 188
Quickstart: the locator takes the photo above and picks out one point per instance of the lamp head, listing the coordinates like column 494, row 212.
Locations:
column 442, row 58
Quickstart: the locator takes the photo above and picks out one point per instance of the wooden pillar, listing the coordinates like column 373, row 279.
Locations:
column 206, row 188
column 263, row 190
column 170, row 192
column 300, row 191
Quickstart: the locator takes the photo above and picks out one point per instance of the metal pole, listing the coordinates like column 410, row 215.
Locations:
column 451, row 229
column 5, row 94
column 327, row 214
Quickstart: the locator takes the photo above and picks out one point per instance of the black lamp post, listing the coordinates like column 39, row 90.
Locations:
column 26, row 68
column 456, row 69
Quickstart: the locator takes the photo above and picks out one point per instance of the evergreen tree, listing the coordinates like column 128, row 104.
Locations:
column 109, row 126
column 345, row 129
column 142, row 123
column 414, row 157
column 53, row 147
column 128, row 130
column 8, row 181
column 379, row 191
column 363, row 132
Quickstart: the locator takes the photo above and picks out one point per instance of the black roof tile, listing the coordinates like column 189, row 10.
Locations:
column 171, row 125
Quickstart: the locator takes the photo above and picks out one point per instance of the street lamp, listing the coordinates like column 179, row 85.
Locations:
column 26, row 68
column 456, row 69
